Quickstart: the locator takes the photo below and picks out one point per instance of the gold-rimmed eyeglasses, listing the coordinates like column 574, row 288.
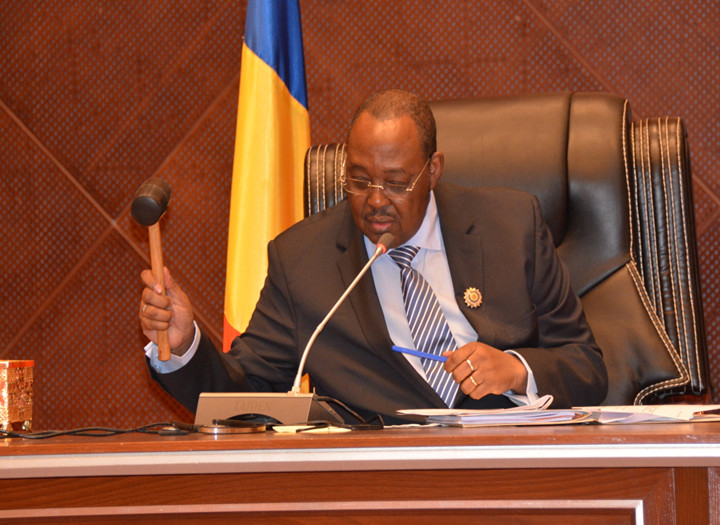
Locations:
column 395, row 190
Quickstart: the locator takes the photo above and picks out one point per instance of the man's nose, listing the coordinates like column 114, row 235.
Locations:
column 376, row 197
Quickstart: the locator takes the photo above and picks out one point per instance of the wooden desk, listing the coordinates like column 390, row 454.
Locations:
column 651, row 474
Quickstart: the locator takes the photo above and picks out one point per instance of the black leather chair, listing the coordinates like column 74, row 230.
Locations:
column 617, row 197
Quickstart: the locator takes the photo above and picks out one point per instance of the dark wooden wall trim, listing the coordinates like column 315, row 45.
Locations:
column 97, row 96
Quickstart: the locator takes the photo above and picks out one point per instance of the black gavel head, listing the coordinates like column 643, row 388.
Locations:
column 150, row 202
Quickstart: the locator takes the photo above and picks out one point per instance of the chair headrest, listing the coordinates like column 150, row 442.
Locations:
column 567, row 149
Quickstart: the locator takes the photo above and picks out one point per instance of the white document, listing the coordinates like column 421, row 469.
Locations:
column 533, row 414
column 538, row 414
column 625, row 414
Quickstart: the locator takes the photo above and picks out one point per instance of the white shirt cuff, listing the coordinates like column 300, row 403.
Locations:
column 531, row 393
column 176, row 362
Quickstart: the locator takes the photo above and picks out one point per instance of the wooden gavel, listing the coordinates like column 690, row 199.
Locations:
column 150, row 202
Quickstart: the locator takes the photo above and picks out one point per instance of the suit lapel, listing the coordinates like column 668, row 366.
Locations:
column 462, row 236
column 364, row 301
column 464, row 249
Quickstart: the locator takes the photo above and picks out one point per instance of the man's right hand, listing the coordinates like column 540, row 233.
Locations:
column 171, row 312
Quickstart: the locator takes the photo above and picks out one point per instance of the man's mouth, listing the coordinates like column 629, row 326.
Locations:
column 380, row 223
column 380, row 219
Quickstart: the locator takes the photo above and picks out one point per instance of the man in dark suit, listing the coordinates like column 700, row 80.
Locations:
column 487, row 254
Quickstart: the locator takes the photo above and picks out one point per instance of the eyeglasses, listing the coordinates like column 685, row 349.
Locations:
column 397, row 190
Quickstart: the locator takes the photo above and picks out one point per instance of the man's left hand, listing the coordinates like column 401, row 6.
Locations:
column 481, row 369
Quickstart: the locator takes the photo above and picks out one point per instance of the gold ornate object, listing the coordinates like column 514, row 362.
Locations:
column 473, row 297
column 16, row 399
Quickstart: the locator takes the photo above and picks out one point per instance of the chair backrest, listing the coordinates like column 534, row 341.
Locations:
column 616, row 195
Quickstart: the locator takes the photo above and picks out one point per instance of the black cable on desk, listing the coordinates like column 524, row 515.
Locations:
column 153, row 428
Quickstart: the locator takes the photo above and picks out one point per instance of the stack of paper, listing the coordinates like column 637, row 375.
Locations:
column 534, row 414
column 538, row 414
column 653, row 413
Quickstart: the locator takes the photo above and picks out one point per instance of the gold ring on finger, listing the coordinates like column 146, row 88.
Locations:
column 144, row 306
column 472, row 380
column 472, row 368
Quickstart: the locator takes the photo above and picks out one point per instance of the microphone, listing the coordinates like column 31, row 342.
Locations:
column 382, row 245
column 290, row 407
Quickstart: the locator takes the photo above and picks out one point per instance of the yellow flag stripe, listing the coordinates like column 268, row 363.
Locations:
column 272, row 136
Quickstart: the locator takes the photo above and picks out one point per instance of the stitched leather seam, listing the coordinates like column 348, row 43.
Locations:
column 671, row 233
column 633, row 197
column 623, row 141
column 324, row 177
column 643, row 173
column 335, row 169
column 308, row 164
column 684, row 230
column 646, row 223
column 641, row 211
column 669, row 383
column 653, row 236
column 652, row 224
column 339, row 157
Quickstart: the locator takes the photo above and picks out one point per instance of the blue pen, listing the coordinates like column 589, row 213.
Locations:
column 418, row 353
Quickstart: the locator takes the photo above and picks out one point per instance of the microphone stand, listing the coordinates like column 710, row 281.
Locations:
column 381, row 249
column 292, row 407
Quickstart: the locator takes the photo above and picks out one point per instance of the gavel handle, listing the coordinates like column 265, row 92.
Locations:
column 156, row 263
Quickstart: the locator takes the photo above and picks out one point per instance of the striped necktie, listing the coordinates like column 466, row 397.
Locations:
column 429, row 328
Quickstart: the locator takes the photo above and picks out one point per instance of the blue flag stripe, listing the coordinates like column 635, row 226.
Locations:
column 273, row 33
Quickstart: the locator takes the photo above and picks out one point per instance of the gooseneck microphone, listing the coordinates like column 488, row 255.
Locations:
column 385, row 240
column 292, row 407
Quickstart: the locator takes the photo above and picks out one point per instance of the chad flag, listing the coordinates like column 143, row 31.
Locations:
column 272, row 136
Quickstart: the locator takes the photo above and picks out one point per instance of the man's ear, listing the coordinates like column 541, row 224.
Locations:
column 435, row 169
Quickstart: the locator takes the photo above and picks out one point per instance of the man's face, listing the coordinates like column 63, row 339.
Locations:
column 384, row 152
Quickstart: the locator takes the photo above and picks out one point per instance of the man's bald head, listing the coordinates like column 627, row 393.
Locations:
column 394, row 103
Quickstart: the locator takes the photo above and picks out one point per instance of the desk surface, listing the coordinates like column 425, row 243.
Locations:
column 584, row 434
column 672, row 445
column 648, row 473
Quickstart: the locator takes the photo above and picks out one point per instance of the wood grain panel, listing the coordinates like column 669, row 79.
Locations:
column 714, row 495
column 96, row 97
column 615, row 495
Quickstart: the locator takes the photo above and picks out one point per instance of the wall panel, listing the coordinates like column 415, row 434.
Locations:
column 96, row 96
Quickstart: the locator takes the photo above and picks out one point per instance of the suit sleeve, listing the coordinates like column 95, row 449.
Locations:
column 267, row 350
column 568, row 362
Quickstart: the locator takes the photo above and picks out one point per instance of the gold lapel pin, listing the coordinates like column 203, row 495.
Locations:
column 473, row 297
